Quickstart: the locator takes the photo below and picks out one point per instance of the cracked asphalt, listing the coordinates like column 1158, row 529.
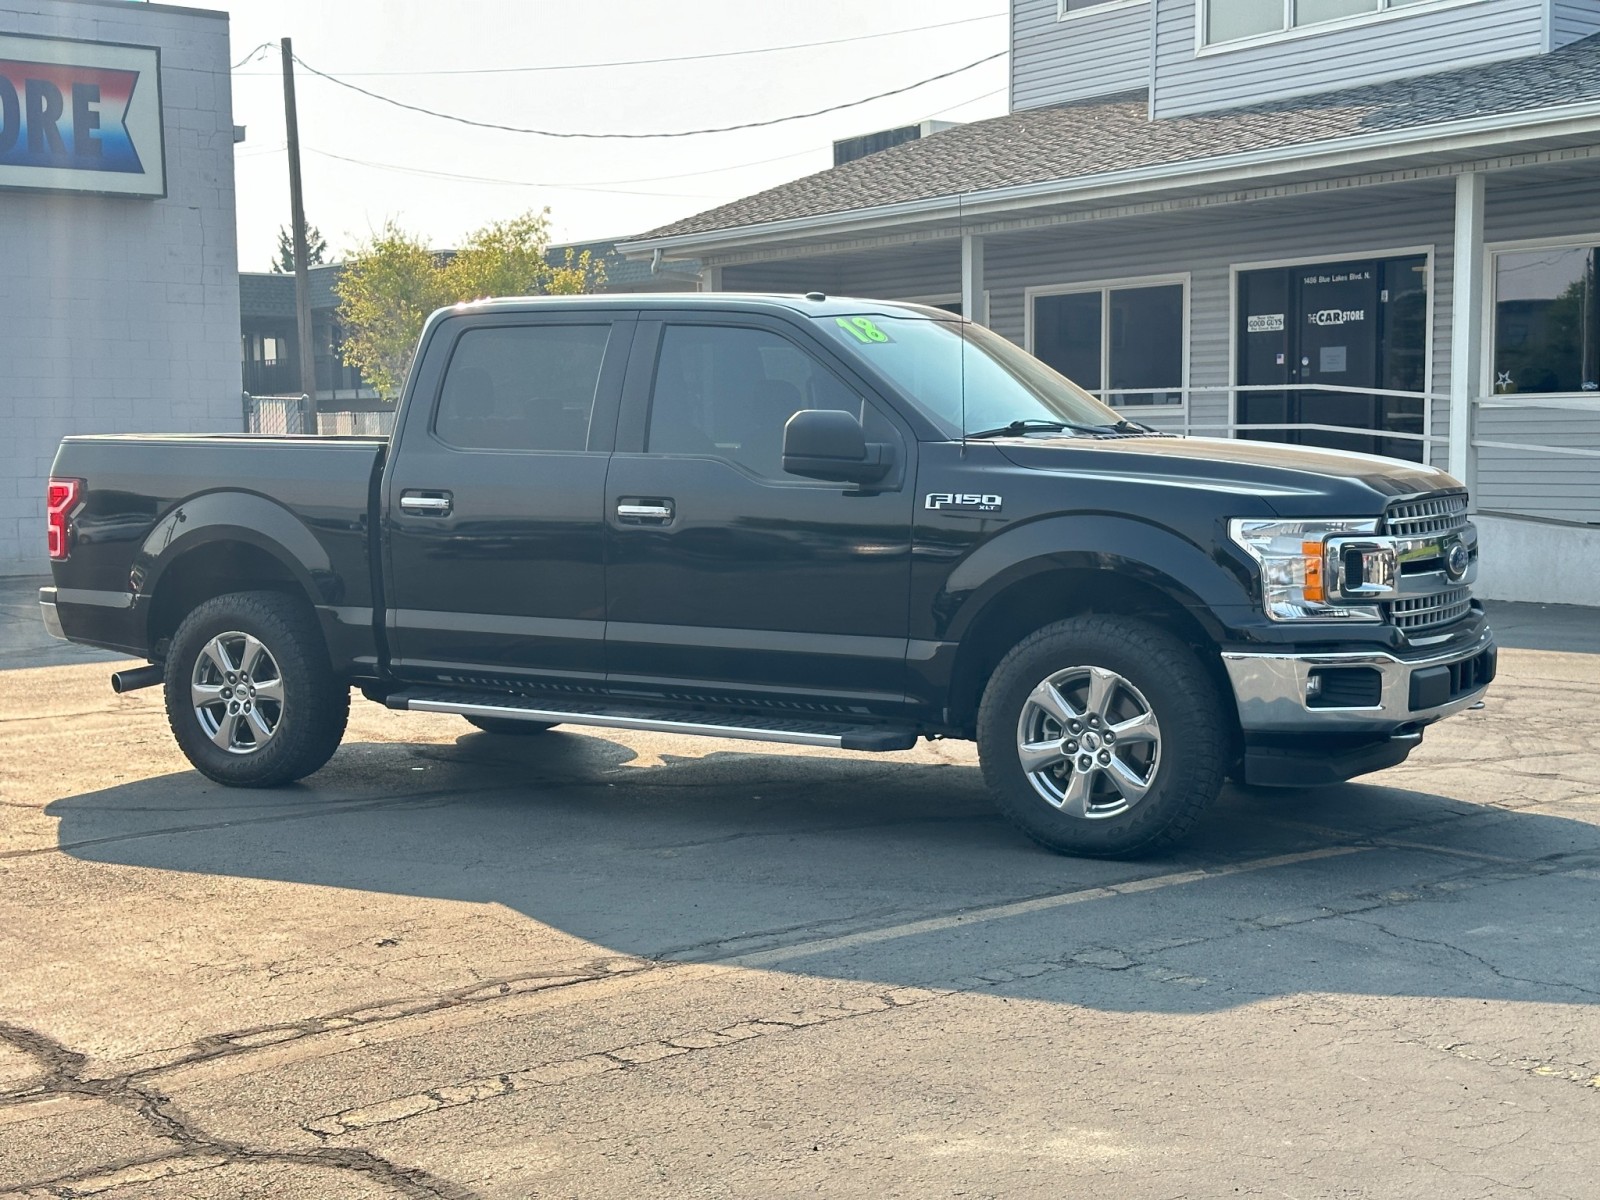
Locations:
column 600, row 964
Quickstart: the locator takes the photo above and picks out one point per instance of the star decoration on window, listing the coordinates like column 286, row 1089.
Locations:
column 1502, row 379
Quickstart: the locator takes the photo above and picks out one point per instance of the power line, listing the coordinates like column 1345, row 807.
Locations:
column 644, row 62
column 416, row 108
column 254, row 54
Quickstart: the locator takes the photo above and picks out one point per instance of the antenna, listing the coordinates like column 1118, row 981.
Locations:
column 966, row 317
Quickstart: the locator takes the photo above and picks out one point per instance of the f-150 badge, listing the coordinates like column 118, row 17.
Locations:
column 966, row 502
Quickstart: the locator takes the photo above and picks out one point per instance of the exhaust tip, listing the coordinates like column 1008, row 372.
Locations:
column 138, row 677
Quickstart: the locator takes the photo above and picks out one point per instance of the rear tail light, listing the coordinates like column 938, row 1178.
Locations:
column 61, row 498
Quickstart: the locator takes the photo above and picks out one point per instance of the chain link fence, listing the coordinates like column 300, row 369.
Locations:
column 299, row 414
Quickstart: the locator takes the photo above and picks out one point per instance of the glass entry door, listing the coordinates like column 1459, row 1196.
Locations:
column 1341, row 325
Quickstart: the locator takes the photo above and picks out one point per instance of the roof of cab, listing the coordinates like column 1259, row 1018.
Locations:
column 828, row 306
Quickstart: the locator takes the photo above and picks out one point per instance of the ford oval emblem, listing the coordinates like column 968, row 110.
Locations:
column 1456, row 560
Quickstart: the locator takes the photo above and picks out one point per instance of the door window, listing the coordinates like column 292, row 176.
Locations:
column 728, row 391
column 523, row 387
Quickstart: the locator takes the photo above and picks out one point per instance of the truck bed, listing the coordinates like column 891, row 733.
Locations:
column 151, row 500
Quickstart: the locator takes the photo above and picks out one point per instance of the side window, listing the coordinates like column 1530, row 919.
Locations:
column 524, row 387
column 728, row 392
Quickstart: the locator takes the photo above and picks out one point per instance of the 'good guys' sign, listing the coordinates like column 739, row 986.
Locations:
column 80, row 117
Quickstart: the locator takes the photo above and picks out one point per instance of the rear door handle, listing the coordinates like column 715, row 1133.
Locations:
column 633, row 511
column 426, row 503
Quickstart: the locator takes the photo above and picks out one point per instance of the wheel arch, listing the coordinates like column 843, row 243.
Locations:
column 225, row 542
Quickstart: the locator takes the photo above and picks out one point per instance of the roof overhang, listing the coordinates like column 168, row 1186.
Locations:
column 1437, row 149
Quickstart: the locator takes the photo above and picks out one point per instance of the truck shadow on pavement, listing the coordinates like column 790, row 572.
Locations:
column 899, row 872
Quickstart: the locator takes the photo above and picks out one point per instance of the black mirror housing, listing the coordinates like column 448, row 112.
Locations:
column 822, row 443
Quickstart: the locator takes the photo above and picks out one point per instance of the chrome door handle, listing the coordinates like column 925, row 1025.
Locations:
column 426, row 504
column 642, row 511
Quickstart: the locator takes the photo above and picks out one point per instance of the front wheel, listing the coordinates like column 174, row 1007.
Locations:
column 250, row 696
column 1102, row 736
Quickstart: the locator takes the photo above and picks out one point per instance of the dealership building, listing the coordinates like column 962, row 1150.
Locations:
column 1366, row 224
column 119, row 286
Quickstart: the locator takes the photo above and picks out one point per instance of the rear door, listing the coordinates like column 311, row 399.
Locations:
column 729, row 580
column 493, row 503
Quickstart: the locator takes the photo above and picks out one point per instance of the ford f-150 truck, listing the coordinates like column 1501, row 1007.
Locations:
column 831, row 522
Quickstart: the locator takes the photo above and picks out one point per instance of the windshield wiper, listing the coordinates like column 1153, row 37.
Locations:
column 1031, row 425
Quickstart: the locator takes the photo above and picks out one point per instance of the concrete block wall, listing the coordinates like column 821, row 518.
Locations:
column 120, row 314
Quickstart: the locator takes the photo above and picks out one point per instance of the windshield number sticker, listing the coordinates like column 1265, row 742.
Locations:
column 863, row 329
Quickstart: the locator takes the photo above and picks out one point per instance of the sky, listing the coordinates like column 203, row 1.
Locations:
column 441, row 179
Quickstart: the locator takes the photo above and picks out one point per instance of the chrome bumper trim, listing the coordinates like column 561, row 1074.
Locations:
column 1271, row 690
column 52, row 619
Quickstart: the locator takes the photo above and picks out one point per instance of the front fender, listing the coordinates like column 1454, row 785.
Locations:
column 1206, row 581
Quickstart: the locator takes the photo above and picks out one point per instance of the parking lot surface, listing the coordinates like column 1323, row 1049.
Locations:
column 599, row 964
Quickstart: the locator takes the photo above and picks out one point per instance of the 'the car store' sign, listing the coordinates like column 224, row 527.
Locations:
column 80, row 117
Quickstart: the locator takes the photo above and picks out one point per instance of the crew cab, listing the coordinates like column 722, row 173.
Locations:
column 831, row 522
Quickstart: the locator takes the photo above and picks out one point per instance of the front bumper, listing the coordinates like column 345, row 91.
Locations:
column 1272, row 688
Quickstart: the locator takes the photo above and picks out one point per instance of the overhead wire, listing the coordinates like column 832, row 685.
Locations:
column 551, row 133
column 642, row 62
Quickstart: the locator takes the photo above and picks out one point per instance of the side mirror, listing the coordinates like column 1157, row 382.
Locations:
column 822, row 443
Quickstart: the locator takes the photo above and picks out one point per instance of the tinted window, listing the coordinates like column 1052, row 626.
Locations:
column 728, row 392
column 1123, row 344
column 522, row 387
column 1547, row 321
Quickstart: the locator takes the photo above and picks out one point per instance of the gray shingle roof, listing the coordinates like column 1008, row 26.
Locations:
column 1114, row 133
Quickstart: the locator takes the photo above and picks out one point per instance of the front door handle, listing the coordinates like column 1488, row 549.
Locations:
column 633, row 511
column 426, row 504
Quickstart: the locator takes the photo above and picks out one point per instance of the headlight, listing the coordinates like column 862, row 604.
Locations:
column 1295, row 567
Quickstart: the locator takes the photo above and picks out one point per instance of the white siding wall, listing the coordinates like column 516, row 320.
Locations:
column 1208, row 244
column 1091, row 53
column 1415, row 43
column 1571, row 20
column 119, row 314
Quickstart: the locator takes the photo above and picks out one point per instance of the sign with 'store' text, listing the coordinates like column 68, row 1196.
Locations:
column 80, row 117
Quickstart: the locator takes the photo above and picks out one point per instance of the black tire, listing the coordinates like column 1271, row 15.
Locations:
column 509, row 726
column 286, row 738
column 1156, row 675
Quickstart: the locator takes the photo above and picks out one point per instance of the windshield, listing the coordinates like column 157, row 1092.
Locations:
column 1003, row 384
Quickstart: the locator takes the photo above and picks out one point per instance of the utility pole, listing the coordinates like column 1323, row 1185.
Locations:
column 297, row 214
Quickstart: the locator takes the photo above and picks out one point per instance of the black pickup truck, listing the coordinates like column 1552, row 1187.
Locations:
column 822, row 521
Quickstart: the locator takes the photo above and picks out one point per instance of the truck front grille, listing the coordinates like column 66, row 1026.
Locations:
column 1439, row 520
column 1427, row 517
column 1425, row 612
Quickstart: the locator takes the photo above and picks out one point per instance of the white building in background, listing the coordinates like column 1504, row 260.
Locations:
column 1366, row 224
column 119, row 285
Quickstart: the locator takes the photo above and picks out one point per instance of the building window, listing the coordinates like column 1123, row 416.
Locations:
column 1068, row 8
column 1124, row 343
column 1546, row 320
column 1230, row 20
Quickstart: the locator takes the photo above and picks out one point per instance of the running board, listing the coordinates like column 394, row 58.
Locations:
column 748, row 727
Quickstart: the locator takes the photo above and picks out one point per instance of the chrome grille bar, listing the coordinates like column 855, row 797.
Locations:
column 1429, row 520
column 1424, row 612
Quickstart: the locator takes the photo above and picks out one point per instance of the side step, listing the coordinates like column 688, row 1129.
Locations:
column 839, row 735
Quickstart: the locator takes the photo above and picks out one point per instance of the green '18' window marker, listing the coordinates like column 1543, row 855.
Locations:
column 862, row 329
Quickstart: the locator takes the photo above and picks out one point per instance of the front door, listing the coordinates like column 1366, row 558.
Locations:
column 1332, row 330
column 495, row 575
column 729, row 580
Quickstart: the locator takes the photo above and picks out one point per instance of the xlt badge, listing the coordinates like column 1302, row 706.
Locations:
column 970, row 502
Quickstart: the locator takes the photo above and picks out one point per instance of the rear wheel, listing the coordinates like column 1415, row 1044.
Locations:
column 250, row 696
column 1102, row 736
column 509, row 725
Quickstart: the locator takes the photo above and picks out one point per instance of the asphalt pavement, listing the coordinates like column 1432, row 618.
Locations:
column 601, row 964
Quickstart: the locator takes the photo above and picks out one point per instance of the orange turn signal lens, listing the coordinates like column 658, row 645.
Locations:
column 1314, row 589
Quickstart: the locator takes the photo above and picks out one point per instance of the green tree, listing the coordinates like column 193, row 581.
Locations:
column 387, row 289
column 511, row 258
column 316, row 250
column 391, row 284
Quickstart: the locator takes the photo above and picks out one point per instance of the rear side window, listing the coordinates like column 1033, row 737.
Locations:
column 524, row 387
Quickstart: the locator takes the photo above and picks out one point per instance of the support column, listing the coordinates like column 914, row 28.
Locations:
column 1466, row 323
column 710, row 279
column 972, row 302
